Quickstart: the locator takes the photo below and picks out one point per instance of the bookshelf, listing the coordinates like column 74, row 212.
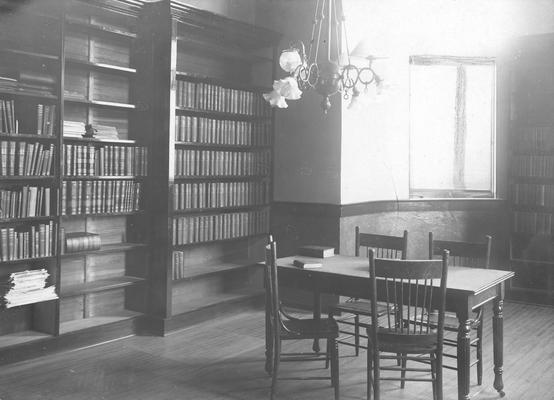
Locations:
column 30, row 104
column 214, row 157
column 102, row 177
column 532, row 169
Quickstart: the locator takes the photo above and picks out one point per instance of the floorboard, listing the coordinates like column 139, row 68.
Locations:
column 223, row 360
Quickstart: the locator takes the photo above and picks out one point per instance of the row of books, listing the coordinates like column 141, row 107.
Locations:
column 98, row 197
column 222, row 131
column 202, row 228
column 533, row 194
column 220, row 194
column 79, row 241
column 26, row 201
column 210, row 97
column 46, row 118
column 27, row 242
column 540, row 138
column 90, row 160
column 533, row 165
column 26, row 159
column 26, row 287
column 221, row 163
column 178, row 265
column 532, row 222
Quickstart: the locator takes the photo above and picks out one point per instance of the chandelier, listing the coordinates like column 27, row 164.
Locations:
column 322, row 67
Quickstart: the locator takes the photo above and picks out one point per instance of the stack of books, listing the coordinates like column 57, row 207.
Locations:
column 81, row 241
column 105, row 132
column 27, row 287
column 73, row 128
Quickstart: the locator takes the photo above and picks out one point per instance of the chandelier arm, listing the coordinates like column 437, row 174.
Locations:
column 319, row 28
column 329, row 27
column 343, row 26
column 314, row 27
column 336, row 31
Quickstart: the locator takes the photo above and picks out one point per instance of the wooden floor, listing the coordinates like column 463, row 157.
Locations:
column 223, row 359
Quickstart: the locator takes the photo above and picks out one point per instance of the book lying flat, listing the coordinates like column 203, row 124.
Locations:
column 316, row 251
column 307, row 263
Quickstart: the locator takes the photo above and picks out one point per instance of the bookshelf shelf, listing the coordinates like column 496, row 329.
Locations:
column 199, row 271
column 88, row 28
column 193, row 77
column 210, row 178
column 99, row 103
column 27, row 137
column 185, row 246
column 17, row 52
column 99, row 286
column 26, row 220
column 102, row 66
column 27, row 178
column 107, row 248
column 219, row 114
column 216, row 146
column 26, row 260
column 97, row 321
column 99, row 141
column 27, row 93
column 113, row 214
column 22, row 337
column 219, row 210
column 104, row 177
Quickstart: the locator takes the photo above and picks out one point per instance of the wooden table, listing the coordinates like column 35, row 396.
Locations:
column 467, row 288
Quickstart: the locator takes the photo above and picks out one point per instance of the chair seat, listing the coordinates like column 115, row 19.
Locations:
column 309, row 329
column 450, row 321
column 396, row 342
column 362, row 307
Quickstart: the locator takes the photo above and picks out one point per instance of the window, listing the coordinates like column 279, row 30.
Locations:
column 452, row 126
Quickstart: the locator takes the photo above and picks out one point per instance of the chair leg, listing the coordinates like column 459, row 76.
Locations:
column 357, row 334
column 480, row 350
column 433, row 375
column 438, row 373
column 369, row 371
column 334, row 347
column 276, row 362
column 328, row 354
column 376, row 376
column 403, row 370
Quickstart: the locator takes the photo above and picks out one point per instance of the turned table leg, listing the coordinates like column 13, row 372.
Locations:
column 464, row 330
column 498, row 344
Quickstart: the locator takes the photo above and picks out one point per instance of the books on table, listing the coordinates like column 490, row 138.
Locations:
column 316, row 251
column 307, row 263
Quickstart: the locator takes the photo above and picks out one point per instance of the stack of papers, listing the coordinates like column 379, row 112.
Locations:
column 27, row 287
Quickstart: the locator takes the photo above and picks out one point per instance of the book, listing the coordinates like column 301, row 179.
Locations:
column 307, row 263
column 316, row 251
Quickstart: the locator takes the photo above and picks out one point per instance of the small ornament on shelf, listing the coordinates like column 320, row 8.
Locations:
column 89, row 131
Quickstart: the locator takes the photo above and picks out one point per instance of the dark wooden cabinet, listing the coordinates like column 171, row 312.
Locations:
column 532, row 168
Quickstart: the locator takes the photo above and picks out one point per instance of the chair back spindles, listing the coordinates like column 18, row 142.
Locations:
column 383, row 246
column 467, row 254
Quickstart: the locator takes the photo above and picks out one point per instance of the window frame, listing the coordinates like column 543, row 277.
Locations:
column 458, row 61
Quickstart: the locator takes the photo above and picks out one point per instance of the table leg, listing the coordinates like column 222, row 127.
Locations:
column 464, row 330
column 498, row 344
column 317, row 316
column 268, row 336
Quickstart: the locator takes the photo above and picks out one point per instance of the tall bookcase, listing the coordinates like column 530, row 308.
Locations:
column 532, row 169
column 30, row 103
column 64, row 65
column 213, row 149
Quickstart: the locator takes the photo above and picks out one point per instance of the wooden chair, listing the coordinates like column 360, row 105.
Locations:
column 282, row 327
column 383, row 246
column 415, row 288
column 465, row 254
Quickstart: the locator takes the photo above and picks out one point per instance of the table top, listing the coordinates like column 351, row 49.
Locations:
column 464, row 279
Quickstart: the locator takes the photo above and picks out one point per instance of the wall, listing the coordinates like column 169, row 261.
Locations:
column 376, row 139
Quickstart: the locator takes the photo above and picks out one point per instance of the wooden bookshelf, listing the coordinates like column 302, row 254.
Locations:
column 532, row 169
column 214, row 150
column 30, row 109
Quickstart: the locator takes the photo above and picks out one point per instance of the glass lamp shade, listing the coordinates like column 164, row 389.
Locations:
column 290, row 60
